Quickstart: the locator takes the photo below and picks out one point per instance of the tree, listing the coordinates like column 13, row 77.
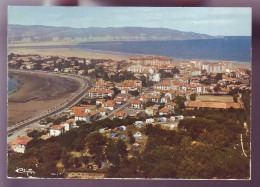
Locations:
column 218, row 77
column 144, row 81
column 235, row 96
column 77, row 162
column 37, row 66
column 193, row 97
column 134, row 93
column 121, row 148
column 217, row 88
column 66, row 160
column 95, row 142
column 52, row 151
column 175, row 71
column 142, row 115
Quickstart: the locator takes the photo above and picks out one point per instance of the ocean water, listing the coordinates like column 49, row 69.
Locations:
column 227, row 48
column 12, row 85
column 231, row 48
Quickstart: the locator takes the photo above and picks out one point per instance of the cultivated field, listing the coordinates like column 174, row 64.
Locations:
column 222, row 98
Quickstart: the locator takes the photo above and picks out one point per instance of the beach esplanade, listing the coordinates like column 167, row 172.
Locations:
column 151, row 60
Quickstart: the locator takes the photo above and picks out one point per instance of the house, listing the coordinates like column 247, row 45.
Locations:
column 81, row 116
column 81, row 72
column 150, row 111
column 91, row 70
column 110, row 104
column 119, row 100
column 121, row 114
column 170, row 105
column 100, row 101
column 103, row 111
column 137, row 104
column 19, row 145
column 165, row 99
column 93, row 115
column 137, row 136
column 156, row 99
column 165, row 111
column 69, row 124
column 56, row 130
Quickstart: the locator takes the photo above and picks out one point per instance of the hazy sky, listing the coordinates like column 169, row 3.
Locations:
column 212, row 21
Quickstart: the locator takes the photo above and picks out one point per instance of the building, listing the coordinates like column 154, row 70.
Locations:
column 110, row 104
column 100, row 93
column 150, row 111
column 19, row 145
column 137, row 104
column 151, row 60
column 56, row 130
column 121, row 114
column 165, row 111
column 170, row 105
column 81, row 116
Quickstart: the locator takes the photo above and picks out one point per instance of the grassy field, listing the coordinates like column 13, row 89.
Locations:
column 222, row 98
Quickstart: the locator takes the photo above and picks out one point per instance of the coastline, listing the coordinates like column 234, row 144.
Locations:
column 36, row 94
column 97, row 54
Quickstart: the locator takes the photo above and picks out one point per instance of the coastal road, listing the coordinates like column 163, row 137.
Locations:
column 85, row 85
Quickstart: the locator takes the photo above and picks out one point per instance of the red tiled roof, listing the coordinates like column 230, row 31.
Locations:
column 136, row 102
column 81, row 114
column 165, row 110
column 120, row 113
column 171, row 103
column 101, row 90
column 23, row 140
column 57, row 127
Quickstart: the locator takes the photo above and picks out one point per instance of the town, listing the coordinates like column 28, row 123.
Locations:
column 134, row 106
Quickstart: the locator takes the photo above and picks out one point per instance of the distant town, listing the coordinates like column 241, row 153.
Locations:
column 145, row 117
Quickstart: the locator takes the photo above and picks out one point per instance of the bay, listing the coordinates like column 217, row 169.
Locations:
column 12, row 85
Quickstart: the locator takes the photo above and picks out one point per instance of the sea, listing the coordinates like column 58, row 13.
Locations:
column 12, row 85
column 230, row 48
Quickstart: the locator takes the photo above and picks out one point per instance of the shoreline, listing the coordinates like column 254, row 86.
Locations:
column 36, row 93
column 98, row 54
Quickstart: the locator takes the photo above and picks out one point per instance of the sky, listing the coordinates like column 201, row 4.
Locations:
column 212, row 21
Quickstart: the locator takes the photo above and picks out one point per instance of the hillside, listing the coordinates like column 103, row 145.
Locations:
column 37, row 33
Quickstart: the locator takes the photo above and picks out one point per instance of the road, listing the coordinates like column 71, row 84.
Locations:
column 85, row 83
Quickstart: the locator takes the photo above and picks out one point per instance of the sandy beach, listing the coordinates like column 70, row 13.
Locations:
column 93, row 54
column 37, row 93
column 70, row 52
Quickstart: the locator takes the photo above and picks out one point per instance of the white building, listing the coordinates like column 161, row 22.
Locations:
column 56, row 130
column 100, row 93
column 19, row 145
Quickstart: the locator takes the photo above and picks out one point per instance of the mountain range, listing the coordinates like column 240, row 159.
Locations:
column 38, row 33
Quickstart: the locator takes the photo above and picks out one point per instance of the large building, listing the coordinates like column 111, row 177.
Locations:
column 100, row 93
column 219, row 67
column 151, row 60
